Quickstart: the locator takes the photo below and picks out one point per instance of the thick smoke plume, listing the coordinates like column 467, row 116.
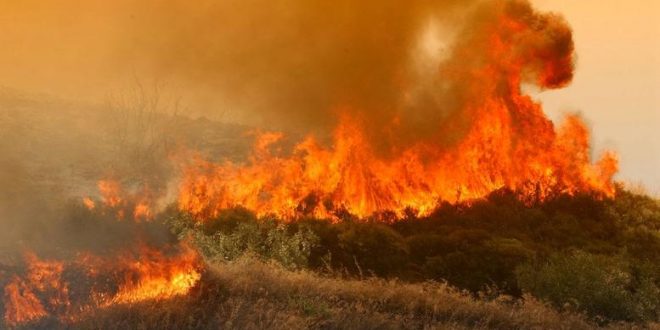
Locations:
column 411, row 76
column 292, row 64
column 456, row 131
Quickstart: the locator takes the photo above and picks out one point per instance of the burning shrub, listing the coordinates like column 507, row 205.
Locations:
column 486, row 134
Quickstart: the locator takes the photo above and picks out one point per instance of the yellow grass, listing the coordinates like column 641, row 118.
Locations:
column 248, row 294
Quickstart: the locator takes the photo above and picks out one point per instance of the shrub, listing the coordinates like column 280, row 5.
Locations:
column 603, row 287
column 374, row 247
column 472, row 246
column 237, row 232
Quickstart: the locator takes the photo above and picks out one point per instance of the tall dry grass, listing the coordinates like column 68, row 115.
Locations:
column 249, row 294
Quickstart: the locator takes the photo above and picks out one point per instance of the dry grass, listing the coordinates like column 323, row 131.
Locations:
column 249, row 294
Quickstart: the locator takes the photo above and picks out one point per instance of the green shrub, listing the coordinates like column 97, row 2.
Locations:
column 237, row 231
column 374, row 247
column 604, row 287
column 480, row 265
column 471, row 246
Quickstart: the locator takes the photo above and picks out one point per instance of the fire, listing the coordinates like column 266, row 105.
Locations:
column 43, row 279
column 154, row 276
column 506, row 142
column 21, row 304
column 142, row 211
column 117, row 200
column 89, row 203
column 66, row 289
column 317, row 181
column 110, row 192
column 125, row 278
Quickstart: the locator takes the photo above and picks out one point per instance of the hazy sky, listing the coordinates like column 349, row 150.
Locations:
column 617, row 80
column 616, row 84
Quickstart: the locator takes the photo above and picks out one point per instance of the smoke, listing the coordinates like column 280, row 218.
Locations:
column 290, row 62
column 53, row 153
column 284, row 64
column 411, row 70
column 402, row 66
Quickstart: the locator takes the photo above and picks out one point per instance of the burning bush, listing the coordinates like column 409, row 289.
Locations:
column 446, row 171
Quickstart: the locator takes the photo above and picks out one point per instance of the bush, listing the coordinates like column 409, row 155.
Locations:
column 603, row 287
column 474, row 246
column 374, row 247
column 237, row 232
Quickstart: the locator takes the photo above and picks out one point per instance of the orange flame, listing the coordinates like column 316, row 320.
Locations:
column 154, row 276
column 21, row 304
column 142, row 211
column 349, row 176
column 89, row 203
column 508, row 142
column 150, row 274
column 43, row 279
column 110, row 192
column 116, row 199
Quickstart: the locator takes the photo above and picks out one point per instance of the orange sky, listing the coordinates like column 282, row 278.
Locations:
column 617, row 81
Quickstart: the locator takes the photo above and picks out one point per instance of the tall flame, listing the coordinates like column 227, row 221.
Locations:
column 507, row 141
column 154, row 276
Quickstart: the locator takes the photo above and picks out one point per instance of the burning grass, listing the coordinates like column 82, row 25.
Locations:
column 249, row 294
column 64, row 290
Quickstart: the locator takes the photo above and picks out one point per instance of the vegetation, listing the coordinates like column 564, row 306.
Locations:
column 249, row 294
column 602, row 286
column 237, row 232
column 600, row 257
column 572, row 262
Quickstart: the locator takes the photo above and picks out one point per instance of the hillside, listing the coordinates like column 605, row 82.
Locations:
column 567, row 262
column 249, row 294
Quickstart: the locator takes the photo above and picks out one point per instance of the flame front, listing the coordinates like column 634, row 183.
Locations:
column 318, row 181
column 22, row 295
column 127, row 278
column 153, row 276
column 506, row 141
